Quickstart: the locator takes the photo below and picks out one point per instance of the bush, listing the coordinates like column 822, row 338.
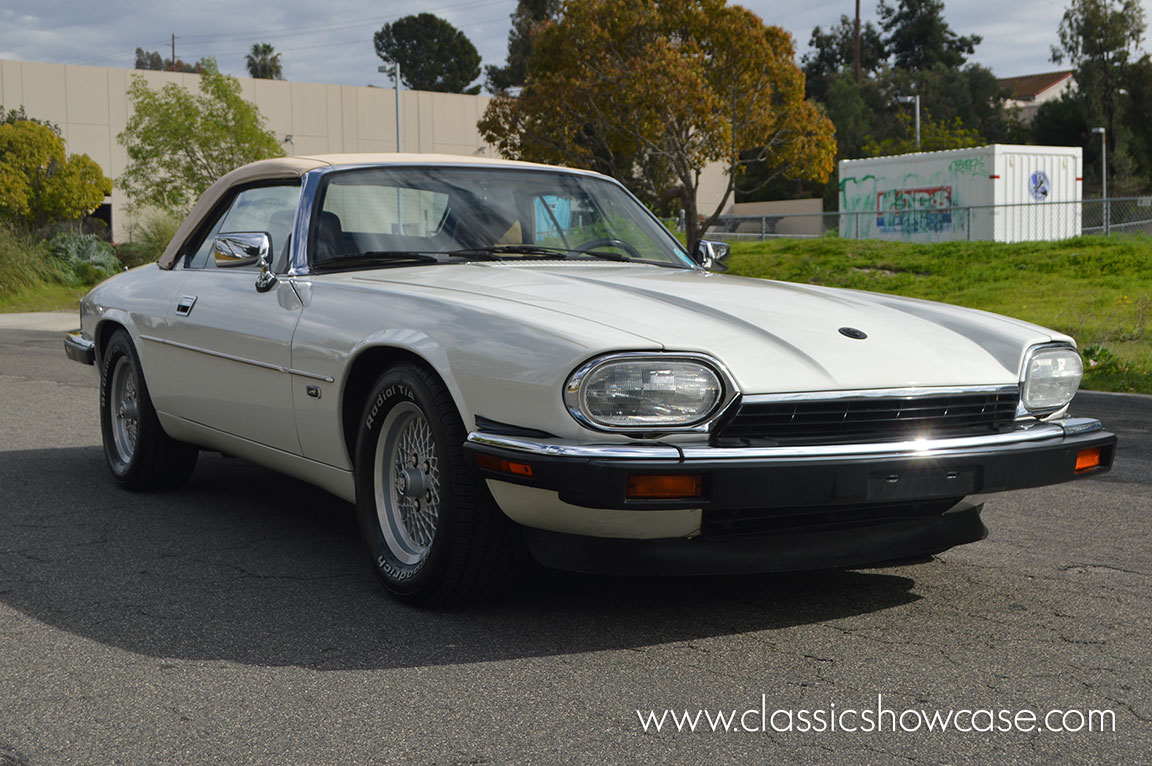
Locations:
column 149, row 239
column 26, row 262
column 87, row 257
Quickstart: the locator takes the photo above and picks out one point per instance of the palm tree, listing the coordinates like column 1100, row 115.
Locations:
column 264, row 62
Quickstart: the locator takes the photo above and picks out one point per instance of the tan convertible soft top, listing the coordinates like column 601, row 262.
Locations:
column 294, row 167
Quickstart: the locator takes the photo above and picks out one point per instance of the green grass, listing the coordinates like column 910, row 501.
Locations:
column 1096, row 289
column 43, row 297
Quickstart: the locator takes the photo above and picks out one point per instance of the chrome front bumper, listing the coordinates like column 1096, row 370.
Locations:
column 663, row 451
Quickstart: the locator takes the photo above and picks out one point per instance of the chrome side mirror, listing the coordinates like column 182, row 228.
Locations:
column 711, row 254
column 246, row 249
column 240, row 249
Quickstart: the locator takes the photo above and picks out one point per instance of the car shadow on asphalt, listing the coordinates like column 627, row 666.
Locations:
column 250, row 566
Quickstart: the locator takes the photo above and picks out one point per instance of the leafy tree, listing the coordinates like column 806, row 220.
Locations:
column 433, row 54
column 651, row 93
column 13, row 116
column 918, row 37
column 834, row 51
column 153, row 60
column 1138, row 116
column 527, row 17
column 178, row 142
column 971, row 94
column 264, row 62
column 149, row 60
column 935, row 136
column 39, row 183
column 1098, row 38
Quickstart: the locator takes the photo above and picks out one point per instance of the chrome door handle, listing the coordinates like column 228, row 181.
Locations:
column 184, row 305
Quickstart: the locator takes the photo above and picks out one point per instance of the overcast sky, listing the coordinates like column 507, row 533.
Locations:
column 331, row 41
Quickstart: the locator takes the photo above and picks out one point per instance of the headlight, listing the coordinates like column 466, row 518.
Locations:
column 1051, row 376
column 637, row 392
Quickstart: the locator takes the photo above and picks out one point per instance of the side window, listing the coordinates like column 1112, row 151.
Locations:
column 270, row 209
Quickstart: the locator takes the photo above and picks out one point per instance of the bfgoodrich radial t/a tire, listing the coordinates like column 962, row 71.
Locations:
column 432, row 531
column 139, row 454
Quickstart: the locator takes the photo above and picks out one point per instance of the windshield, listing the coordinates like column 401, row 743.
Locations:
column 407, row 216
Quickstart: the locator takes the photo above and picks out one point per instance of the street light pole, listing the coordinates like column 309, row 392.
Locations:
column 395, row 68
column 1104, row 177
column 913, row 100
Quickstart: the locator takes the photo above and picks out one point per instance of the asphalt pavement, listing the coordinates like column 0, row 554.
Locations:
column 236, row 621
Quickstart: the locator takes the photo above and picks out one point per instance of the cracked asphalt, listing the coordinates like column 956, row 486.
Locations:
column 235, row 621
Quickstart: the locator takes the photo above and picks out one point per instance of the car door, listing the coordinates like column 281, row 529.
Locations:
column 229, row 345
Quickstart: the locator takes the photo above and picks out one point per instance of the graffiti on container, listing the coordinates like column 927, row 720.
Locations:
column 914, row 210
column 968, row 166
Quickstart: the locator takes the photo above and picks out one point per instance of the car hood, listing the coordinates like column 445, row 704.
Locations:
column 772, row 336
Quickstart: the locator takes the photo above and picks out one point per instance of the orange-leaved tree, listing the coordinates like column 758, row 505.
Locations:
column 653, row 92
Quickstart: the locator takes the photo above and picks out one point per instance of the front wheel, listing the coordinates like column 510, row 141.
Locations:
column 432, row 531
column 139, row 453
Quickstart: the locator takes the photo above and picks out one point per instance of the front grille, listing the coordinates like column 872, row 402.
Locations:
column 725, row 523
column 867, row 419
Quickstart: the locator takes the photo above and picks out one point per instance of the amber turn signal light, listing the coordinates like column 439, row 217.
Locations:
column 1087, row 459
column 645, row 486
column 493, row 463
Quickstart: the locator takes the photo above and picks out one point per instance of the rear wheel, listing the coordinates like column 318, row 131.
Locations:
column 139, row 454
column 432, row 531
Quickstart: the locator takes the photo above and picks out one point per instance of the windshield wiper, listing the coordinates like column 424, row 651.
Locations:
column 380, row 256
column 538, row 250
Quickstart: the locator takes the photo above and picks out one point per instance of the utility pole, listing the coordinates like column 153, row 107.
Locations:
column 1104, row 178
column 396, row 76
column 173, row 68
column 857, row 41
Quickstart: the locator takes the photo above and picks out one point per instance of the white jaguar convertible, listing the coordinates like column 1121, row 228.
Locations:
column 483, row 355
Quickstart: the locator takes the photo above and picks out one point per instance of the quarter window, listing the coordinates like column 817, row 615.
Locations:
column 270, row 209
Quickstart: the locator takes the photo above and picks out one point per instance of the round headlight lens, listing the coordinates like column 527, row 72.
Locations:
column 1051, row 378
column 644, row 392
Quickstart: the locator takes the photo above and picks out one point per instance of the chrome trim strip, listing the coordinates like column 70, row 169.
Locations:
column 1031, row 433
column 878, row 393
column 240, row 359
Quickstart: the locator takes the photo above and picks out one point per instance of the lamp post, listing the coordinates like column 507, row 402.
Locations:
column 395, row 69
column 1104, row 177
column 913, row 100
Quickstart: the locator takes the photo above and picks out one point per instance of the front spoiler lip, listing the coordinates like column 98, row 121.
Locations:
column 664, row 451
column 79, row 349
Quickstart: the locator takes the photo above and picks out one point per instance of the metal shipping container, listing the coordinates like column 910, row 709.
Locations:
column 1001, row 192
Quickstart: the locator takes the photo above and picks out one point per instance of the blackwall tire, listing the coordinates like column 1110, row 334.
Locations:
column 138, row 452
column 432, row 531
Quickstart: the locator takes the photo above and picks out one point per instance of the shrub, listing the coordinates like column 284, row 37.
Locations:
column 26, row 262
column 154, row 234
column 87, row 257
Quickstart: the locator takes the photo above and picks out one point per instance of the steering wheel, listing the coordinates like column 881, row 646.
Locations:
column 620, row 244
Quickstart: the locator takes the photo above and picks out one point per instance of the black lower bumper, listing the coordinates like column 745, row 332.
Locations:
column 79, row 349
column 847, row 547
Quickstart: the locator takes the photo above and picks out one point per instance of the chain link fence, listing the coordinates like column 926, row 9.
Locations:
column 1037, row 221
